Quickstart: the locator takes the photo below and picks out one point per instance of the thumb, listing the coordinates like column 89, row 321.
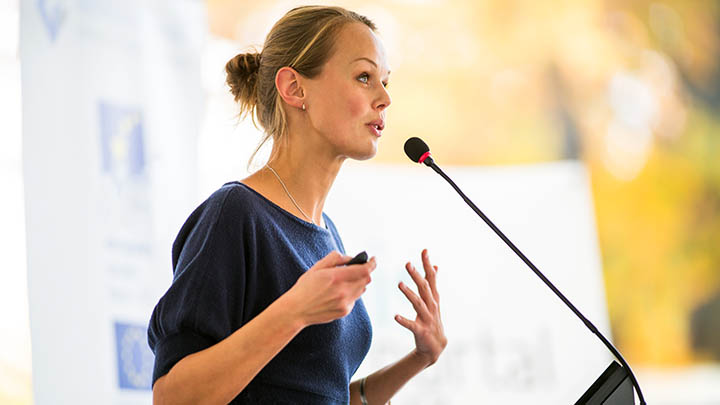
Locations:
column 333, row 259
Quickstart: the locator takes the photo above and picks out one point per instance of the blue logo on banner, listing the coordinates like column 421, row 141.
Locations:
column 121, row 139
column 52, row 14
column 134, row 358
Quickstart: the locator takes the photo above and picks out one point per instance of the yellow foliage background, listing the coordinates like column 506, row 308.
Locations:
column 631, row 88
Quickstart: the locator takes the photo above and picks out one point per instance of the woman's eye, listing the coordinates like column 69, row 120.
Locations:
column 364, row 77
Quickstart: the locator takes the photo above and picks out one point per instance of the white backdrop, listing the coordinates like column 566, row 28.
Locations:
column 511, row 340
column 112, row 101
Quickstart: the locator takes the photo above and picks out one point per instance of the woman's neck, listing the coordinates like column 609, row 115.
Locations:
column 306, row 172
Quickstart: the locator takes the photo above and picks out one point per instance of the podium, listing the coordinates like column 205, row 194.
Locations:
column 613, row 387
column 615, row 384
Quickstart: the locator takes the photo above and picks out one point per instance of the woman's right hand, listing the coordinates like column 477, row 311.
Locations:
column 328, row 290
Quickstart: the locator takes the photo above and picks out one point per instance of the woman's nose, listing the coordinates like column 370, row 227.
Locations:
column 384, row 100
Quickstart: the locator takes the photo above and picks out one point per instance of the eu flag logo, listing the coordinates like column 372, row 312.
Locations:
column 134, row 358
column 53, row 15
column 121, row 140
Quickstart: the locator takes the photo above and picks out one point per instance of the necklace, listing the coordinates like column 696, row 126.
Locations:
column 290, row 195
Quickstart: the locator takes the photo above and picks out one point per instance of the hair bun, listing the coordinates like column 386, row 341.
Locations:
column 242, row 73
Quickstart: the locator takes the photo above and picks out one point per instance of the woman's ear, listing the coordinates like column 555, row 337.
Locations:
column 287, row 82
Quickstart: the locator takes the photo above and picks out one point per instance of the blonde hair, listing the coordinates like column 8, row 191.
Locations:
column 302, row 39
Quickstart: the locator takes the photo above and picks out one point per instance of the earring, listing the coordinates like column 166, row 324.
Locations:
column 303, row 107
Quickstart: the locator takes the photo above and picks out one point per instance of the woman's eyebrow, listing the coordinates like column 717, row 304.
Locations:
column 369, row 60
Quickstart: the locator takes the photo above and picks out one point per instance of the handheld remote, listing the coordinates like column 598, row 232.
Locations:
column 361, row 258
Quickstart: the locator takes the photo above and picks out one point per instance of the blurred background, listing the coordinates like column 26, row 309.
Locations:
column 630, row 88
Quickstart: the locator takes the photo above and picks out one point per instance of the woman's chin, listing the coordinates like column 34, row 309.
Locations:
column 368, row 152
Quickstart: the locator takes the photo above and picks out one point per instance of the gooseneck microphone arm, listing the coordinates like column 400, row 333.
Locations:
column 428, row 160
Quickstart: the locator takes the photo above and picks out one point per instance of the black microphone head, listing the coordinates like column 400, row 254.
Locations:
column 415, row 148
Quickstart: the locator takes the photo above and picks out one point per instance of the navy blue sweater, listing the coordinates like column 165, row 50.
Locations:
column 235, row 255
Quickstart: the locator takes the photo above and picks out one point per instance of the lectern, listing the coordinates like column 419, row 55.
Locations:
column 613, row 387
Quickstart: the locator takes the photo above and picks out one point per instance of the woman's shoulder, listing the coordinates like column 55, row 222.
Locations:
column 232, row 198
column 233, row 189
column 229, row 208
column 232, row 205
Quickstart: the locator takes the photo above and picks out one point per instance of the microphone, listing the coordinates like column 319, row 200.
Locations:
column 418, row 151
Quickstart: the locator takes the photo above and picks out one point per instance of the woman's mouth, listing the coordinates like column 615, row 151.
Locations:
column 376, row 126
column 375, row 129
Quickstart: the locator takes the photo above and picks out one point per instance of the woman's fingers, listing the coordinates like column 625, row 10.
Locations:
column 430, row 339
column 356, row 271
column 423, row 287
column 332, row 259
column 416, row 302
column 430, row 273
column 426, row 261
column 406, row 323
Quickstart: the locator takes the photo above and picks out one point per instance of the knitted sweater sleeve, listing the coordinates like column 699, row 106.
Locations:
column 207, row 293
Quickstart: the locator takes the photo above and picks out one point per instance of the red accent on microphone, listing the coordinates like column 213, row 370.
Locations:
column 424, row 156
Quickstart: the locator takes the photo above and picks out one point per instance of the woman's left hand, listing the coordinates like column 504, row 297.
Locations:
column 430, row 338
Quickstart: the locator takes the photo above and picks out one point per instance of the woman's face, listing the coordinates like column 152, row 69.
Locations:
column 346, row 102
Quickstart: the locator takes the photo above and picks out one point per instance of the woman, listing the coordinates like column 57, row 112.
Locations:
column 262, row 308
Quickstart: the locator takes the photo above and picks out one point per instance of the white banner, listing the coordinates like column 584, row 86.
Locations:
column 511, row 340
column 112, row 102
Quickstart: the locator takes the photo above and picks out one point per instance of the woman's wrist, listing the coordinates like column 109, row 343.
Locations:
column 420, row 359
column 288, row 309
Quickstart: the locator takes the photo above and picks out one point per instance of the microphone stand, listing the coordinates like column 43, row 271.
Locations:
column 608, row 375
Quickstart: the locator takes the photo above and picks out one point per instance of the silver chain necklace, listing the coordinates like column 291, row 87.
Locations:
column 289, row 195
